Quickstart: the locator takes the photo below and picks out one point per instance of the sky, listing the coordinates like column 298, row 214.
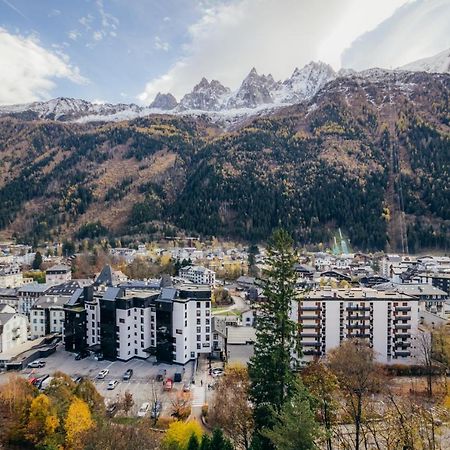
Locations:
column 126, row 51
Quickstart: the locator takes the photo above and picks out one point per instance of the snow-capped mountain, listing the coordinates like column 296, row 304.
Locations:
column 257, row 95
column 206, row 96
column 439, row 63
column 165, row 102
column 254, row 91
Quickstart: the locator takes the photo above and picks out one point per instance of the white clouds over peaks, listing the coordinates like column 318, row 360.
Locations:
column 272, row 35
column 27, row 69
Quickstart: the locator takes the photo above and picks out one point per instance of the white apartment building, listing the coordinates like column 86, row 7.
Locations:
column 11, row 277
column 172, row 323
column 198, row 275
column 388, row 321
column 47, row 316
column 58, row 274
column 13, row 329
column 29, row 294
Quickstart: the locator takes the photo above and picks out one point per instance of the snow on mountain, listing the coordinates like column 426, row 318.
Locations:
column 165, row 102
column 206, row 96
column 257, row 95
column 439, row 63
column 255, row 90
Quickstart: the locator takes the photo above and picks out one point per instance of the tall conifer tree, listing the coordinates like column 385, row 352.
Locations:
column 277, row 346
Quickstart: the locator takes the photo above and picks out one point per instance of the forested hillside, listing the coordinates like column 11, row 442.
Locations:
column 368, row 155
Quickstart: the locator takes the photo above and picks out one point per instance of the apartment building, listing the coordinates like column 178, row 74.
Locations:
column 171, row 323
column 11, row 277
column 198, row 275
column 47, row 315
column 13, row 328
column 58, row 274
column 388, row 321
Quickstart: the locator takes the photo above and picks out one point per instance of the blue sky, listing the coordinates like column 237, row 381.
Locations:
column 128, row 50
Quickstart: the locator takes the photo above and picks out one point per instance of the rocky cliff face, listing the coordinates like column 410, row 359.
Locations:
column 206, row 96
column 164, row 102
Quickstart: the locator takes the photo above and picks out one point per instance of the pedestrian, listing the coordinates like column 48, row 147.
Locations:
column 201, row 382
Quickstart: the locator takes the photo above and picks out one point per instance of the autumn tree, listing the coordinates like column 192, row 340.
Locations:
column 126, row 402
column 277, row 337
column 179, row 433
column 42, row 421
column 181, row 406
column 78, row 421
column 86, row 391
column 425, row 350
column 354, row 366
column 231, row 410
column 295, row 427
column 323, row 385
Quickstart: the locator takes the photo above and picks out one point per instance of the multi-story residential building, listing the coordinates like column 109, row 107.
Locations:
column 29, row 294
column 171, row 323
column 58, row 274
column 13, row 328
column 9, row 297
column 11, row 277
column 198, row 275
column 388, row 321
column 441, row 280
column 47, row 315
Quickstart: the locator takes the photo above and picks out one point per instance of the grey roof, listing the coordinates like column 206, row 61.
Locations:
column 105, row 276
column 8, row 292
column 112, row 293
column 241, row 335
column 245, row 279
column 4, row 317
column 50, row 301
column 67, row 288
column 59, row 268
column 34, row 287
column 413, row 289
column 168, row 293
column 75, row 297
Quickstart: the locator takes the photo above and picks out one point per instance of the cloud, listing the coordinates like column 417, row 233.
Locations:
column 73, row 35
column 159, row 44
column 272, row 35
column 54, row 13
column 97, row 35
column 28, row 71
column 417, row 30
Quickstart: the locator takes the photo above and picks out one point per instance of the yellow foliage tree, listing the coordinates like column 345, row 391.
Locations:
column 179, row 433
column 42, row 422
column 78, row 421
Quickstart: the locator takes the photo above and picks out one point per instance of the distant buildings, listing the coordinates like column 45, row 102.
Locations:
column 198, row 275
column 13, row 328
column 47, row 316
column 58, row 274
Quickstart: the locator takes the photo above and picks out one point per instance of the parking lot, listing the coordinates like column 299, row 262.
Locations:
column 142, row 385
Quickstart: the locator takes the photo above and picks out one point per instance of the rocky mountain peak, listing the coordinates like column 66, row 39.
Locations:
column 166, row 102
column 206, row 96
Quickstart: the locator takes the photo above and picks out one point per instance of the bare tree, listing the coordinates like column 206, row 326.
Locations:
column 358, row 375
column 425, row 349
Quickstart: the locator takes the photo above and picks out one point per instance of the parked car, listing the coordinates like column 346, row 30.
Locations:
column 128, row 374
column 98, row 357
column 112, row 385
column 81, row 355
column 111, row 409
column 102, row 374
column 77, row 379
column 156, row 409
column 36, row 364
column 144, row 409
column 186, row 387
column 177, row 377
column 168, row 384
column 217, row 372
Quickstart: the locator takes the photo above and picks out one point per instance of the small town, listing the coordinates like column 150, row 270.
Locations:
column 159, row 328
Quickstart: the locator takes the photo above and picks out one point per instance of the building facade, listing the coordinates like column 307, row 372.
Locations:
column 387, row 321
column 47, row 316
column 13, row 328
column 58, row 274
column 198, row 275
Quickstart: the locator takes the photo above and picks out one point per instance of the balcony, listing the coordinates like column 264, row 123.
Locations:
column 357, row 326
column 358, row 335
column 309, row 308
column 402, row 353
column 358, row 308
column 302, row 317
column 311, row 344
column 312, row 326
column 403, row 326
column 353, row 317
column 310, row 335
column 402, row 344
column 311, row 352
column 402, row 335
column 403, row 308
column 397, row 318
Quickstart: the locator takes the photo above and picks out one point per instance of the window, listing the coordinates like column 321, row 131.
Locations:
column 178, row 331
column 208, row 329
column 199, row 338
column 185, row 323
column 207, row 304
column 199, row 313
column 199, row 329
column 199, row 346
column 142, row 336
column 199, row 321
column 142, row 312
column 207, row 321
column 192, row 354
column 207, row 337
column 199, row 305
column 129, row 312
column 121, row 320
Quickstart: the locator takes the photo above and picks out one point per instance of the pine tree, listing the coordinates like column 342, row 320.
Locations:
column 295, row 426
column 193, row 442
column 37, row 262
column 277, row 338
column 206, row 443
column 219, row 441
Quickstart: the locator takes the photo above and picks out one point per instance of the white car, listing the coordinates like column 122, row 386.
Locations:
column 112, row 385
column 102, row 374
column 218, row 372
column 144, row 409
